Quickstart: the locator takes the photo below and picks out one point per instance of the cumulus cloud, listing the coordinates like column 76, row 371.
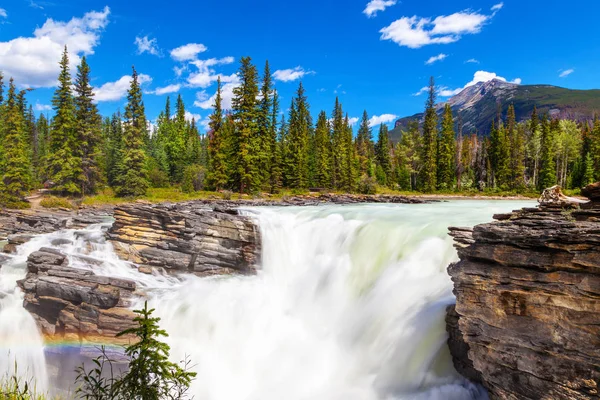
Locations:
column 206, row 74
column 292, row 74
column 381, row 119
column 435, row 59
column 353, row 120
column 415, row 32
column 42, row 107
column 206, row 101
column 190, row 116
column 3, row 13
column 111, row 91
column 147, row 45
column 375, row 6
column 166, row 89
column 566, row 73
column 188, row 51
column 33, row 61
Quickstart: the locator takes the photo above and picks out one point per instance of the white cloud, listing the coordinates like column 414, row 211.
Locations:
column 381, row 119
column 377, row 5
column 437, row 58
column 188, row 51
column 33, row 61
column 497, row 7
column 566, row 73
column 472, row 61
column 190, row 116
column 205, row 101
column 3, row 13
column 443, row 91
column 415, row 32
column 424, row 89
column 289, row 75
column 206, row 75
column 111, row 91
column 166, row 89
column 42, row 107
column 145, row 44
column 517, row 81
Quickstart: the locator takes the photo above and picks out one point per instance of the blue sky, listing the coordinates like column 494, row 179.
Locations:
column 375, row 55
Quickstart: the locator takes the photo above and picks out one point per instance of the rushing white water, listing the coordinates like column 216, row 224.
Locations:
column 348, row 304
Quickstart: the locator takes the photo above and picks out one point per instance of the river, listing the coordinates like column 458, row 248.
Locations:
column 348, row 303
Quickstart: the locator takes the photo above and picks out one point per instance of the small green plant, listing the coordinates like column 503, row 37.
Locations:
column 56, row 202
column 151, row 376
column 16, row 388
column 193, row 179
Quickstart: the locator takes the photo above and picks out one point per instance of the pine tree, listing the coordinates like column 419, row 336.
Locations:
column 350, row 167
column 516, row 144
column 88, row 129
column 265, row 131
column 216, row 144
column 245, row 111
column 43, row 131
column 298, row 141
column 364, row 145
column 338, row 153
column 429, row 149
column 322, row 152
column 446, row 151
column 16, row 173
column 588, row 174
column 276, row 169
column 548, row 165
column 384, row 160
column 64, row 165
column 595, row 147
column 133, row 181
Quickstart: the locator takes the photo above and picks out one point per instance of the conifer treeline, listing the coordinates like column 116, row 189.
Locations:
column 256, row 148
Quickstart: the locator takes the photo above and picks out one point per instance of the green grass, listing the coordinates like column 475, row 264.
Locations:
column 154, row 195
column 14, row 388
column 56, row 202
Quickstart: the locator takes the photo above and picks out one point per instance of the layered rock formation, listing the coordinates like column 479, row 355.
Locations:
column 527, row 318
column 186, row 237
column 72, row 304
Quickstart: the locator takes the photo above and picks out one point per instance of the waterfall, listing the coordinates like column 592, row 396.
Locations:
column 348, row 303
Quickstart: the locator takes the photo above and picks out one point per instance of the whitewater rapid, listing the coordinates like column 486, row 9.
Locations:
column 348, row 303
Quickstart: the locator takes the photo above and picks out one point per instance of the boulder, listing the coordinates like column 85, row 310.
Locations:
column 75, row 304
column 527, row 318
column 186, row 237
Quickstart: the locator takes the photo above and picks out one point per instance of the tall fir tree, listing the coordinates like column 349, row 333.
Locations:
column 384, row 159
column 516, row 144
column 64, row 164
column 364, row 145
column 446, row 151
column 298, row 141
column 216, row 144
column 275, row 174
column 322, row 152
column 266, row 145
column 16, row 172
column 429, row 148
column 548, row 165
column 88, row 129
column 133, row 180
column 245, row 144
column 595, row 147
column 338, row 153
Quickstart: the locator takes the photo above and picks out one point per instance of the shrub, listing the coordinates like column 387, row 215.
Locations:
column 158, row 178
column 193, row 178
column 56, row 202
column 367, row 185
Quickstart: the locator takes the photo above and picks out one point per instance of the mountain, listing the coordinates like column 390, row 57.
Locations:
column 478, row 104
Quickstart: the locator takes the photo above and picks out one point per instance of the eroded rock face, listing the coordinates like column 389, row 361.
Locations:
column 75, row 304
column 527, row 316
column 186, row 237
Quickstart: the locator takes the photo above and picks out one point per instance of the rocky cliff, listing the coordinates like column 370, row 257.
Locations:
column 527, row 318
column 186, row 238
column 73, row 304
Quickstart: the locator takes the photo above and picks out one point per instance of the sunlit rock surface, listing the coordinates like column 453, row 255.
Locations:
column 527, row 317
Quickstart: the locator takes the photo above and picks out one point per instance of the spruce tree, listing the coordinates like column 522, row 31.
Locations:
column 64, row 165
column 384, row 159
column 88, row 129
column 275, row 173
column 298, row 141
column 245, row 111
column 516, row 143
column 322, row 152
column 350, row 168
column 133, row 180
column 595, row 147
column 216, row 144
column 364, row 145
column 265, row 132
column 548, row 165
column 429, row 149
column 16, row 173
column 338, row 153
column 446, row 161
